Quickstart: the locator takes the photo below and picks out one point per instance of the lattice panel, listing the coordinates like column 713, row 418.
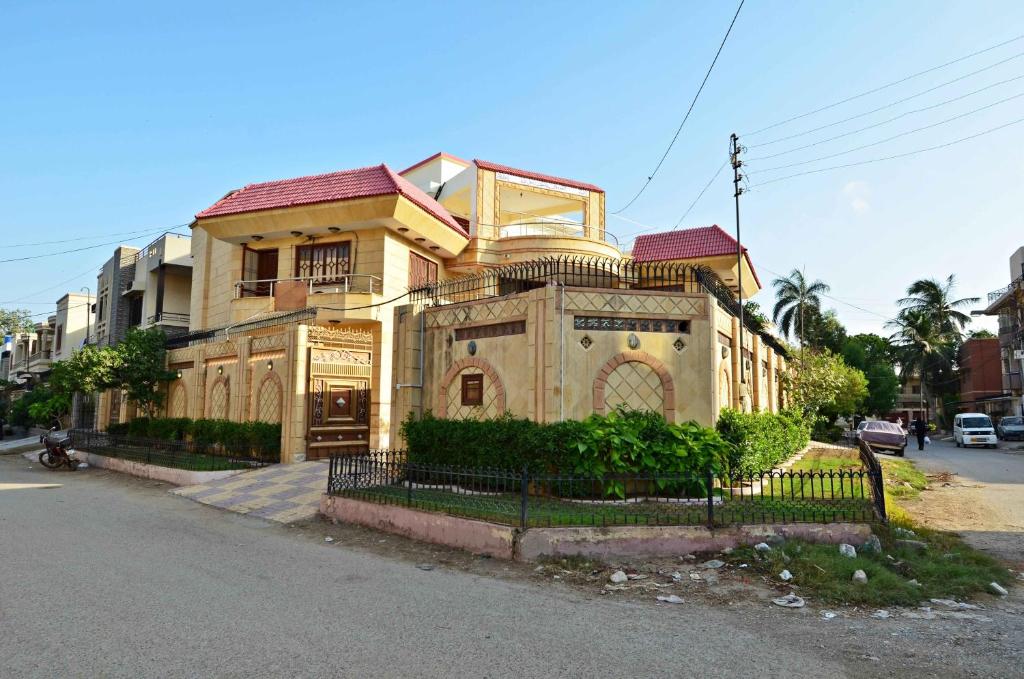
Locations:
column 220, row 349
column 178, row 403
column 458, row 411
column 635, row 385
column 180, row 355
column 637, row 304
column 268, row 401
column 267, row 343
column 218, row 408
column 483, row 311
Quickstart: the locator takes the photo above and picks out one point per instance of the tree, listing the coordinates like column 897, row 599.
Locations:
column 794, row 296
column 139, row 368
column 922, row 349
column 752, row 314
column 934, row 299
column 824, row 331
column 874, row 356
column 13, row 321
column 980, row 334
column 822, row 385
column 88, row 370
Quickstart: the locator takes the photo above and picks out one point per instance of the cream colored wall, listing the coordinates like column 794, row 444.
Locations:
column 73, row 314
column 546, row 373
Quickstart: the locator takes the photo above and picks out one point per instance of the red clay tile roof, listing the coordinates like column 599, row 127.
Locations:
column 366, row 182
column 439, row 154
column 705, row 241
column 494, row 167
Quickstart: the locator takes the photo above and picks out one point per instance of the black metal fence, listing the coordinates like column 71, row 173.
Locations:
column 525, row 499
column 874, row 467
column 177, row 454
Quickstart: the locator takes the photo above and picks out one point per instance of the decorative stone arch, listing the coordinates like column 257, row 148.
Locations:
column 177, row 402
column 461, row 365
column 668, row 389
column 259, row 408
column 221, row 383
column 724, row 388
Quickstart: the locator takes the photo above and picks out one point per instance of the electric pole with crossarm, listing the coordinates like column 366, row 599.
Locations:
column 734, row 157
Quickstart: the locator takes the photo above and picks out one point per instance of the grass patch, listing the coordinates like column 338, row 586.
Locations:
column 550, row 511
column 948, row 568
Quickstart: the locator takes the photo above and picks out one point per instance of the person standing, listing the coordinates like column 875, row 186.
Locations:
column 921, row 431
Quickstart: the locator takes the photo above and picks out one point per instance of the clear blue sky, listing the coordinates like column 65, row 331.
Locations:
column 123, row 117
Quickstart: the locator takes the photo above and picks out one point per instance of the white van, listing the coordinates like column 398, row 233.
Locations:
column 974, row 429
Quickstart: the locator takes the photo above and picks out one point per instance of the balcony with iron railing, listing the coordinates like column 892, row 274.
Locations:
column 331, row 293
column 168, row 318
column 40, row 361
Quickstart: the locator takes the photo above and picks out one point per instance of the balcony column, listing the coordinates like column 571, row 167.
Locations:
column 160, row 276
column 198, row 399
column 241, row 394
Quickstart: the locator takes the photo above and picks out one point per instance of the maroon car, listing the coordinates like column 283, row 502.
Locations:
column 884, row 435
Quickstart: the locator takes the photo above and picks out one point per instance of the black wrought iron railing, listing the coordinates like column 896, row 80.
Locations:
column 187, row 455
column 528, row 499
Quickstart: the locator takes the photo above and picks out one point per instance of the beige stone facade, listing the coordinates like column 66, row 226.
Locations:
column 338, row 304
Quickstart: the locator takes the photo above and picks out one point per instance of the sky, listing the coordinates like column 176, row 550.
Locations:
column 119, row 120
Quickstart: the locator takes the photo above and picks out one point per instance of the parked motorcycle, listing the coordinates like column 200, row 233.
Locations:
column 58, row 444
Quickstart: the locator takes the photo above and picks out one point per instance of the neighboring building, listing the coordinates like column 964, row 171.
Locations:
column 111, row 315
column 11, row 356
column 72, row 324
column 338, row 303
column 910, row 404
column 981, row 377
column 33, row 353
column 705, row 246
column 142, row 288
column 1008, row 304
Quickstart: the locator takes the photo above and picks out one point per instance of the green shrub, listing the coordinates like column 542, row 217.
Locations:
column 762, row 440
column 630, row 442
column 207, row 435
column 625, row 442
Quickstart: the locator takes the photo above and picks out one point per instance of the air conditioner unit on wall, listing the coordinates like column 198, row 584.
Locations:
column 1018, row 354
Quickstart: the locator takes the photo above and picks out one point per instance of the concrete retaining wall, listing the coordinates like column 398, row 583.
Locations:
column 631, row 541
column 474, row 536
column 505, row 542
column 177, row 477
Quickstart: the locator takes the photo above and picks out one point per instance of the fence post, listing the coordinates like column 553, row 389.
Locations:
column 523, row 495
column 408, row 485
column 710, row 479
column 878, row 487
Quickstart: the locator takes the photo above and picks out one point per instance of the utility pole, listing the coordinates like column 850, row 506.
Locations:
column 734, row 157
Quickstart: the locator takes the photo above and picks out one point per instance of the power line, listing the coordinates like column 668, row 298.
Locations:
column 883, row 87
column 57, row 285
column 890, row 104
column 888, row 139
column 104, row 235
column 878, row 124
column 65, row 252
column 687, row 116
column 893, row 157
column 700, row 195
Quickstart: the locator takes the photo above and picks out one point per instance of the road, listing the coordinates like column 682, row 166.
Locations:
column 112, row 576
column 985, row 500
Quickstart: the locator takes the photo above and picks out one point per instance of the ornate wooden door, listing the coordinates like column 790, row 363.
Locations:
column 339, row 409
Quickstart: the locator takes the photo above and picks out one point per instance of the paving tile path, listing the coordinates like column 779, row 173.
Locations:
column 282, row 493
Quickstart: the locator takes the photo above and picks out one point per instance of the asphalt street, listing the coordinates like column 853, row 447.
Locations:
column 111, row 576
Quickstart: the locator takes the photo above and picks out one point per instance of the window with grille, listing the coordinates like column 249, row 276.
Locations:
column 135, row 312
column 473, row 390
column 60, row 336
column 324, row 263
column 421, row 271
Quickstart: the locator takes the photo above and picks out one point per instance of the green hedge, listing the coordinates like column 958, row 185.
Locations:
column 762, row 440
column 624, row 442
column 231, row 436
column 504, row 442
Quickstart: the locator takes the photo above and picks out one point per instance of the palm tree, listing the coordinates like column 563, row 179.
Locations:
column 793, row 296
column 934, row 298
column 921, row 347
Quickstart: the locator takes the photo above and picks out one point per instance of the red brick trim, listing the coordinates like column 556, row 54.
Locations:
column 463, row 364
column 667, row 387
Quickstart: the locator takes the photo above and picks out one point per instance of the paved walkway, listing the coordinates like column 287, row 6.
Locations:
column 282, row 493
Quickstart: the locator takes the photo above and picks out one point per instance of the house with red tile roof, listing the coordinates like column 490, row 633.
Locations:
column 336, row 304
column 707, row 246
